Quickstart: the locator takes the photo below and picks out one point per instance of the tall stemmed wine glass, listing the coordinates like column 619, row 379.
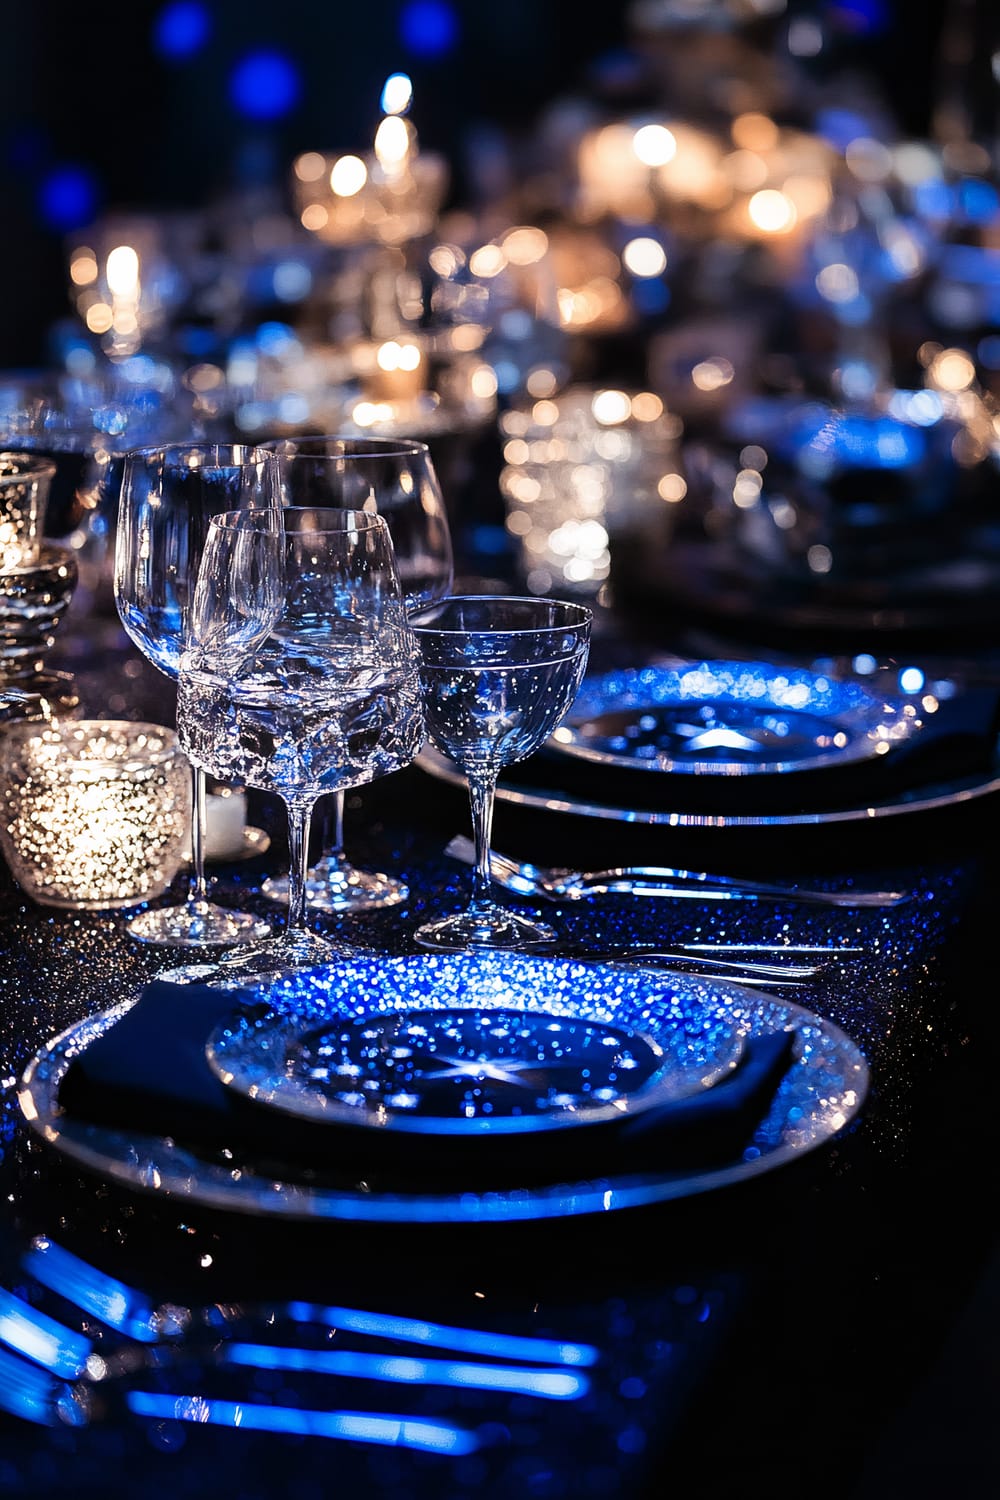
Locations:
column 496, row 676
column 394, row 477
column 168, row 497
column 301, row 679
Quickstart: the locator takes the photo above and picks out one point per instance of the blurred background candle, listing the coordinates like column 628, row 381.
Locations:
column 93, row 814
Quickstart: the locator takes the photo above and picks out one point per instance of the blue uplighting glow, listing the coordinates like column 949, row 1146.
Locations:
column 353, row 1426
column 265, row 85
column 428, row 28
column 555, row 1385
column 67, row 197
column 111, row 1301
column 442, row 1336
column 181, row 29
column 41, row 1338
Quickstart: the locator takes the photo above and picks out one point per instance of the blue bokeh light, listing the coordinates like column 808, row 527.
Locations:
column 862, row 17
column 67, row 197
column 181, row 29
column 428, row 28
column 265, row 85
column 651, row 297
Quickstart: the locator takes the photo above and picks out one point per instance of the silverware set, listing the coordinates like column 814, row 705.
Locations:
column 770, row 965
column 552, row 884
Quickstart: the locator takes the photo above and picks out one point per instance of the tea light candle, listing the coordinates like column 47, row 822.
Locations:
column 93, row 813
column 225, row 824
column 398, row 371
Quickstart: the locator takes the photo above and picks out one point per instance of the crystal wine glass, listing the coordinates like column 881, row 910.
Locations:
column 497, row 674
column 396, row 478
column 301, row 678
column 168, row 497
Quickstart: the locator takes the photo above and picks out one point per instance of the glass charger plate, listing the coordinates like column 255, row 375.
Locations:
column 477, row 1046
column 730, row 718
column 948, row 793
column 819, row 1096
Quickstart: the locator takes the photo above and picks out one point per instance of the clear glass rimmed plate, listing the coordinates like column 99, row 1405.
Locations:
column 819, row 1096
column 476, row 1045
column 730, row 718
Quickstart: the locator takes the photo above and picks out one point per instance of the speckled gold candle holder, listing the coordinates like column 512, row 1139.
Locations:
column 93, row 813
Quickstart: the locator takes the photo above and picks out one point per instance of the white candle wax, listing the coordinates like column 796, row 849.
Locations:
column 225, row 823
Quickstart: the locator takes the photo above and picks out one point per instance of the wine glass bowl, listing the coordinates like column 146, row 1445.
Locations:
column 301, row 677
column 497, row 674
column 396, row 478
column 168, row 497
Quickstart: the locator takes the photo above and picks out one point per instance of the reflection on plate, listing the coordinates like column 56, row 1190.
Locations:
column 730, row 718
column 473, row 1045
column 819, row 1096
column 949, row 793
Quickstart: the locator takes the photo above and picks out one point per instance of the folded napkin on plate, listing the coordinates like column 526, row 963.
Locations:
column 148, row 1074
column 958, row 740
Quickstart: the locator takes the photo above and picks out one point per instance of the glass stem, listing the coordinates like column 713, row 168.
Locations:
column 482, row 786
column 299, row 819
column 198, row 891
column 333, row 827
column 332, row 836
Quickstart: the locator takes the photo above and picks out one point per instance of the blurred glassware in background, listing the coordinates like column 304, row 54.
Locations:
column 24, row 496
column 44, row 698
column 84, row 424
column 37, row 577
column 581, row 469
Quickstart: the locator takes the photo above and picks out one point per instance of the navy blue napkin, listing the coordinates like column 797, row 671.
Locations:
column 148, row 1074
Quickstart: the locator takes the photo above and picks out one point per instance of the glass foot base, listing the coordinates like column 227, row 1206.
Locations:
column 197, row 924
column 280, row 957
column 335, row 886
column 496, row 929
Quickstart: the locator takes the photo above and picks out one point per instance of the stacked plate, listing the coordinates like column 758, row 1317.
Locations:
column 446, row 1088
column 717, row 743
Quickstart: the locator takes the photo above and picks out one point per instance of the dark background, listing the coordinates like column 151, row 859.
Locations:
column 87, row 88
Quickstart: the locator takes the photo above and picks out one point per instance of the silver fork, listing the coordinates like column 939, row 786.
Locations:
column 656, row 880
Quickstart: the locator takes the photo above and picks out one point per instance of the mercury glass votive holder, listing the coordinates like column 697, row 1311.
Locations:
column 93, row 813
